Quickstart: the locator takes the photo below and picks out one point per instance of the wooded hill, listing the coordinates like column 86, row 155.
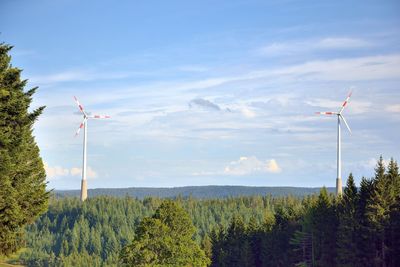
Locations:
column 201, row 192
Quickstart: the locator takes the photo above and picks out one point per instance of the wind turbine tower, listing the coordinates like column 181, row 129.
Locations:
column 83, row 125
column 339, row 149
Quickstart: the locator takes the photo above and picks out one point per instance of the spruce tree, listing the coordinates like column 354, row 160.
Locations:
column 379, row 208
column 393, row 234
column 348, row 225
column 23, row 195
column 324, row 227
column 392, row 226
column 366, row 246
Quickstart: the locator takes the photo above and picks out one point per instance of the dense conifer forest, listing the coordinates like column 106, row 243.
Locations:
column 359, row 229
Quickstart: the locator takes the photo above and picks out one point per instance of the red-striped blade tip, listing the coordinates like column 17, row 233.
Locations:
column 101, row 117
column 326, row 113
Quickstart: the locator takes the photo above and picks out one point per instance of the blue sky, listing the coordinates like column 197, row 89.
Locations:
column 209, row 92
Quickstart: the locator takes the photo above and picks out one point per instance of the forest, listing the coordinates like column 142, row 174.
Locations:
column 361, row 228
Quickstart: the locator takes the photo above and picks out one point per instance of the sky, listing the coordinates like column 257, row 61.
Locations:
column 209, row 92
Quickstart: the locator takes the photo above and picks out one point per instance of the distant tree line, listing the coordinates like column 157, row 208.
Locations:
column 201, row 192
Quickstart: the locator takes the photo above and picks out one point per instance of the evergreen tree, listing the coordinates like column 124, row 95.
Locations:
column 254, row 234
column 237, row 244
column 348, row 225
column 393, row 234
column 324, row 227
column 206, row 245
column 379, row 208
column 366, row 247
column 392, row 227
column 23, row 195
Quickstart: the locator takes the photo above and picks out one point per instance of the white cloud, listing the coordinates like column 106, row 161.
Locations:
column 250, row 165
column 248, row 113
column 54, row 172
column 78, row 172
column 393, row 108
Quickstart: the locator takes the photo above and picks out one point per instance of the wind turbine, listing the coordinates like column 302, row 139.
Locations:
column 83, row 125
column 339, row 163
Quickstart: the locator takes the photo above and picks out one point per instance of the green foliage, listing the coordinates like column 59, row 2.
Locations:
column 68, row 221
column 165, row 239
column 264, row 243
column 348, row 229
column 385, row 191
column 23, row 195
column 317, row 230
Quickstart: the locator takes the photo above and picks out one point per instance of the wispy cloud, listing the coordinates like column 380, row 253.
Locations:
column 312, row 45
column 393, row 108
column 78, row 75
column 192, row 68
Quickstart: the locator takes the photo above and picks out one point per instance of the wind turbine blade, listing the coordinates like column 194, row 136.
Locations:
column 80, row 106
column 345, row 102
column 345, row 122
column 80, row 127
column 326, row 113
column 99, row 117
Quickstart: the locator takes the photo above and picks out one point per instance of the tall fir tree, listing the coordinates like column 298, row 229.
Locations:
column 237, row 244
column 348, row 225
column 366, row 245
column 378, row 210
column 324, row 228
column 392, row 226
column 393, row 234
column 23, row 195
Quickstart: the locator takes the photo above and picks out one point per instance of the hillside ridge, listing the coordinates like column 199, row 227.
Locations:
column 203, row 192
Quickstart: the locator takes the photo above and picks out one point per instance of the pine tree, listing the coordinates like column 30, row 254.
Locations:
column 348, row 225
column 23, row 195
